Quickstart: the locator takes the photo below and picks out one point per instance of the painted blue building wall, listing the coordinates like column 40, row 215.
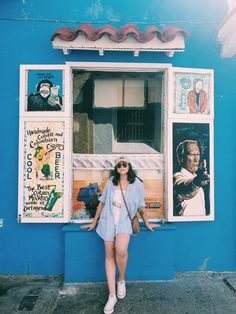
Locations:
column 25, row 28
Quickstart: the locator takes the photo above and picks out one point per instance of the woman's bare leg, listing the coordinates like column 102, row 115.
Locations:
column 121, row 248
column 110, row 266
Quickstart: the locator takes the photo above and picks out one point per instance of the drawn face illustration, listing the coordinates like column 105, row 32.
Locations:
column 44, row 90
column 39, row 153
column 193, row 158
column 198, row 86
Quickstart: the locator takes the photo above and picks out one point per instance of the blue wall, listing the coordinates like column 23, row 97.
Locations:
column 26, row 27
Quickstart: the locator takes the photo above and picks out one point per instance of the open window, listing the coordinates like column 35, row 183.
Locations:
column 106, row 109
column 117, row 111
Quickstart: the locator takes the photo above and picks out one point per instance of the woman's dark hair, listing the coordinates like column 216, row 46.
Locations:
column 131, row 175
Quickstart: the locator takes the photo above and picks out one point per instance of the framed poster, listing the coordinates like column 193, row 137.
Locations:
column 91, row 172
column 190, row 174
column 43, row 181
column 192, row 93
column 42, row 90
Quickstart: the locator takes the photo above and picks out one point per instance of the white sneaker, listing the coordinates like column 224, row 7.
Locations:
column 111, row 302
column 121, row 289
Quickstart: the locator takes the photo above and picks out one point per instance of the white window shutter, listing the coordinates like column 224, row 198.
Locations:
column 44, row 177
column 190, row 116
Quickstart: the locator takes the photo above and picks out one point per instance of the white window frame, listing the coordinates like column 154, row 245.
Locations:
column 128, row 67
column 169, row 118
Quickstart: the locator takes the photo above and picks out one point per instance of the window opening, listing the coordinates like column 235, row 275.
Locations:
column 113, row 112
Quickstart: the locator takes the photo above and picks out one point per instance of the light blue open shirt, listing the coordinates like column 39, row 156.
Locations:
column 134, row 196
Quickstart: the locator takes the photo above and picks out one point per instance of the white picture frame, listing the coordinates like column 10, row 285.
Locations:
column 39, row 80
column 180, row 130
column 44, row 160
column 192, row 93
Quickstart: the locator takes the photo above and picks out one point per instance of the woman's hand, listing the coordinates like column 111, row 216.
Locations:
column 151, row 226
column 89, row 226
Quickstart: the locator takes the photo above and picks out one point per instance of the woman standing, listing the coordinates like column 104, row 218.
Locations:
column 114, row 225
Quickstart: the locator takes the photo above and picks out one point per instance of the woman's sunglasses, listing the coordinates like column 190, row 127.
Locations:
column 122, row 164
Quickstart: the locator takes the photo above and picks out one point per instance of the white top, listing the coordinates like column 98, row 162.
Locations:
column 117, row 200
column 195, row 205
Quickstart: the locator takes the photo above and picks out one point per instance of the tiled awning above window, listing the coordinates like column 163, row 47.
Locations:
column 127, row 38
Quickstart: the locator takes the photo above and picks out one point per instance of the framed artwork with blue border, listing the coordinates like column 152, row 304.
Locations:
column 42, row 90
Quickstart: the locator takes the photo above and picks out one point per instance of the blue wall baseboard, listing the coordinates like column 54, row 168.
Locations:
column 150, row 255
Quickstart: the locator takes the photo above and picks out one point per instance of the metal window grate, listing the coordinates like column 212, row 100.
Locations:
column 132, row 125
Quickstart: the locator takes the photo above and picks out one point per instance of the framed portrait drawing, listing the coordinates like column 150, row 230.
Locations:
column 192, row 93
column 42, row 90
column 190, row 172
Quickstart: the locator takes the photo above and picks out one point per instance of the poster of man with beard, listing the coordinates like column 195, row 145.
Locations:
column 45, row 96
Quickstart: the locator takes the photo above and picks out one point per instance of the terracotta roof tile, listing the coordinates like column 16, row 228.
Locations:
column 166, row 34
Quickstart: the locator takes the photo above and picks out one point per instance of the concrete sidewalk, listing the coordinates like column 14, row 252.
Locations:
column 188, row 293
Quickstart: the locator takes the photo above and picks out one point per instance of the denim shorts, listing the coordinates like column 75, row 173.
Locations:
column 108, row 231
